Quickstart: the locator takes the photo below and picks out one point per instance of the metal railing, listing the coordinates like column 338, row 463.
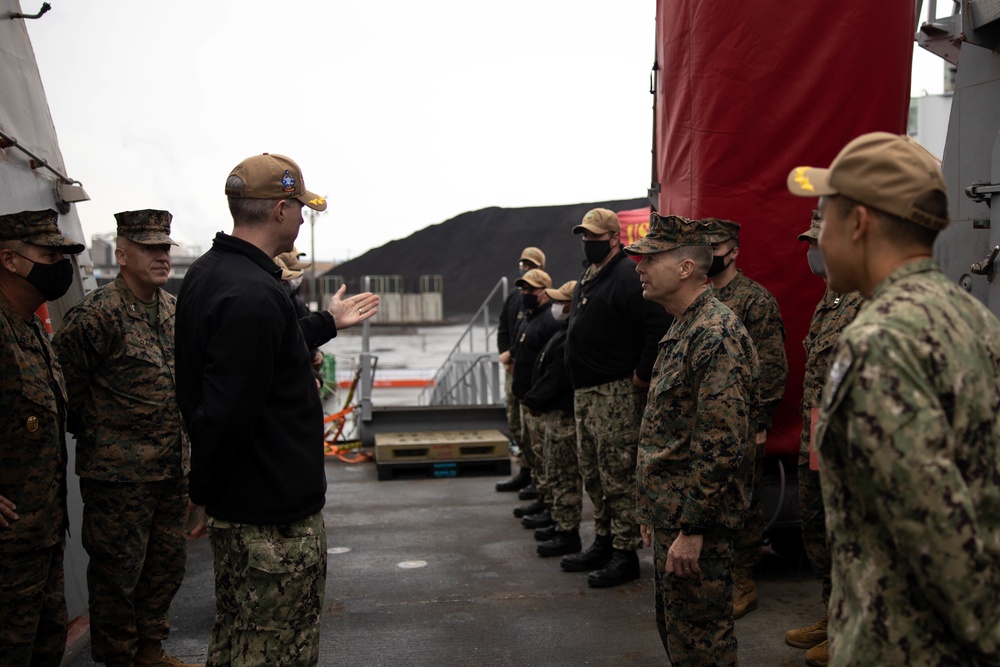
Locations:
column 471, row 373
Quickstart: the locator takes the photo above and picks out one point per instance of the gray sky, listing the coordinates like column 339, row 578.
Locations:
column 402, row 113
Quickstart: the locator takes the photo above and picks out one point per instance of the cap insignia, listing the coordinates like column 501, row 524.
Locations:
column 802, row 180
column 287, row 182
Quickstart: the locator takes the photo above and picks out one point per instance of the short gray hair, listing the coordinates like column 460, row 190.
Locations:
column 701, row 255
column 247, row 212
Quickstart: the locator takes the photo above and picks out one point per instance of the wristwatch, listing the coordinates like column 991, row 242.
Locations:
column 689, row 529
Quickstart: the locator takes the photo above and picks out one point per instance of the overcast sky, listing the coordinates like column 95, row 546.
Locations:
column 402, row 113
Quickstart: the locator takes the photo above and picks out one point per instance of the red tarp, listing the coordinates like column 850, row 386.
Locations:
column 748, row 91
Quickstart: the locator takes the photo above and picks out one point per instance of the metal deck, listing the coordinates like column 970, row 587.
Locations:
column 437, row 572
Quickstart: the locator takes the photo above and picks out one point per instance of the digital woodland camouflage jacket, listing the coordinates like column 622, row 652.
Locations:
column 32, row 434
column 758, row 310
column 693, row 463
column 119, row 368
column 909, row 440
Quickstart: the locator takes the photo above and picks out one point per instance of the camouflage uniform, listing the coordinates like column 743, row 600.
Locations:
column 908, row 436
column 832, row 314
column 32, row 453
column 692, row 467
column 759, row 312
column 607, row 419
column 32, row 476
column 269, row 584
column 511, row 322
column 132, row 459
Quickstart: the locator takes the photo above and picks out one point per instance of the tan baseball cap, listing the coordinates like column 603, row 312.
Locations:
column 813, row 232
column 533, row 255
column 535, row 278
column 272, row 176
column 669, row 232
column 599, row 221
column 889, row 172
column 564, row 293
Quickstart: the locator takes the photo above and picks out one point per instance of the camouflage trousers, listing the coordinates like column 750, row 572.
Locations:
column 814, row 523
column 562, row 469
column 534, row 425
column 607, row 435
column 750, row 538
column 134, row 535
column 695, row 616
column 269, row 585
column 514, row 423
column 33, row 617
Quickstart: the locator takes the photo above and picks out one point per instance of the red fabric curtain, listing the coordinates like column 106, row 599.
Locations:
column 748, row 91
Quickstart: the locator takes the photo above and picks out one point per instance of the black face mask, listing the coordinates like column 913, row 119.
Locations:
column 52, row 280
column 530, row 301
column 596, row 251
column 718, row 264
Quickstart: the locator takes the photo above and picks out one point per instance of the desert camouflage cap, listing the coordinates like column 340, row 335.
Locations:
column 148, row 226
column 286, row 273
column 813, row 231
column 533, row 255
column 721, row 231
column 889, row 172
column 272, row 176
column 535, row 278
column 292, row 262
column 564, row 293
column 669, row 232
column 599, row 221
column 38, row 228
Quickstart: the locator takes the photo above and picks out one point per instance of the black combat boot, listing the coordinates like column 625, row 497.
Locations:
column 595, row 557
column 533, row 508
column 564, row 542
column 517, row 482
column 545, row 534
column 528, row 493
column 539, row 520
column 621, row 569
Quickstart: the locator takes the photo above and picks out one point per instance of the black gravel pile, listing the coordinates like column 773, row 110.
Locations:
column 472, row 251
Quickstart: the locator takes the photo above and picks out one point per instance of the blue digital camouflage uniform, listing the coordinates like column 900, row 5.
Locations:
column 693, row 466
column 132, row 459
column 832, row 314
column 909, row 435
column 32, row 476
column 758, row 310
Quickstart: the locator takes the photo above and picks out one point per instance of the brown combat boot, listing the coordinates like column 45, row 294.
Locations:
column 809, row 636
column 819, row 655
column 744, row 593
column 152, row 654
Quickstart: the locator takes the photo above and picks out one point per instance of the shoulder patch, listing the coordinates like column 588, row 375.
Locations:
column 838, row 371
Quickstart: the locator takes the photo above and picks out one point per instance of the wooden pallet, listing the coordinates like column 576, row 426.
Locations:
column 442, row 453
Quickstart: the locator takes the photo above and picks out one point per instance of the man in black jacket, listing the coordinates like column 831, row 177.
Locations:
column 611, row 345
column 508, row 329
column 535, row 331
column 250, row 404
column 549, row 403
